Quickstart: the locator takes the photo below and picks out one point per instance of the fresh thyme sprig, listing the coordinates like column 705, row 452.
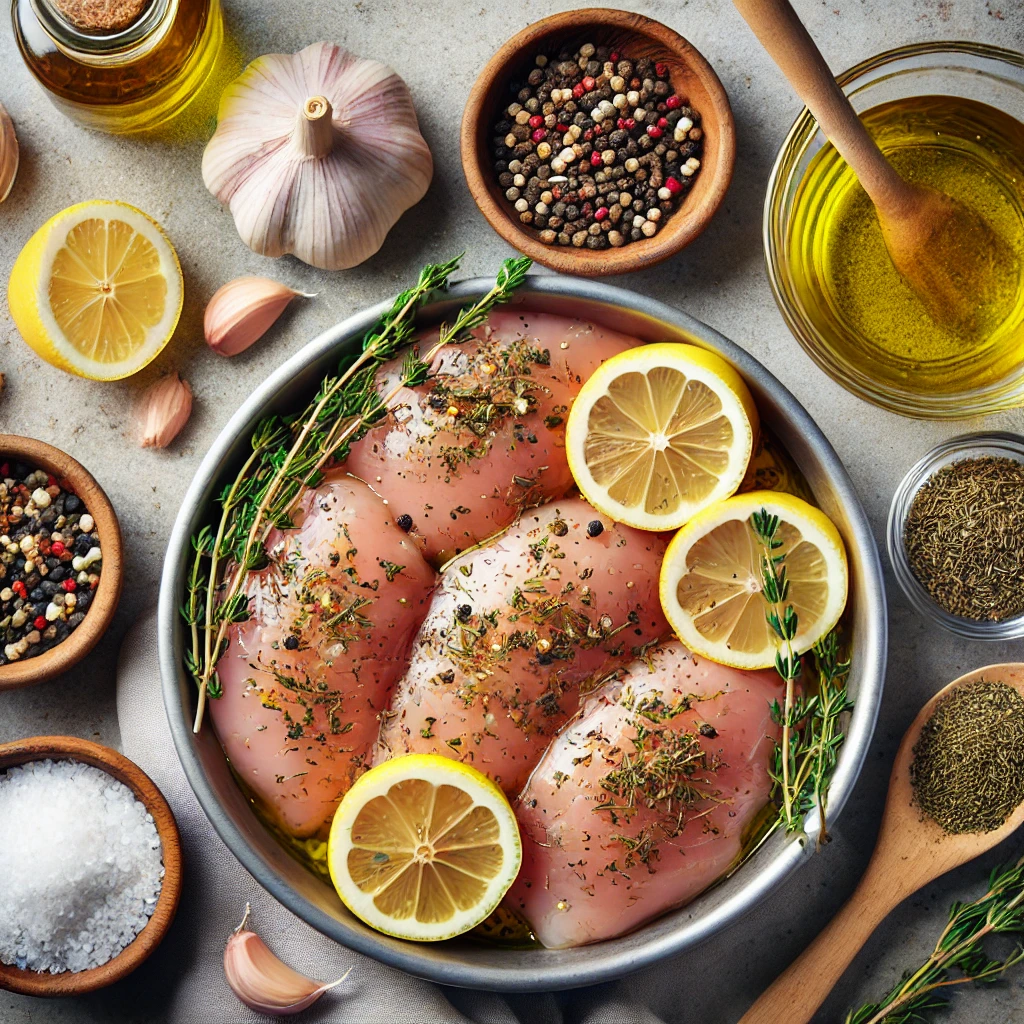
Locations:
column 960, row 948
column 805, row 758
column 289, row 455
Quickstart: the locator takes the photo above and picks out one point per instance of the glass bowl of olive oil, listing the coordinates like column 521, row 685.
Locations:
column 949, row 116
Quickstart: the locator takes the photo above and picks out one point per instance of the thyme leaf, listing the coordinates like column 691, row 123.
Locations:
column 959, row 956
column 289, row 455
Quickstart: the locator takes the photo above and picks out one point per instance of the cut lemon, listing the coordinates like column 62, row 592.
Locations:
column 423, row 847
column 660, row 432
column 97, row 290
column 711, row 579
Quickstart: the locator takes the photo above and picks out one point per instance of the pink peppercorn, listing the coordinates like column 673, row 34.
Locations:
column 673, row 103
column 40, row 622
column 662, row 122
column 660, row 70
column 19, row 588
column 563, row 128
column 588, row 84
column 69, row 585
column 536, row 121
column 630, row 124
column 614, row 55
column 539, row 135
column 578, row 90
column 620, row 123
column 595, row 159
column 57, row 548
column 673, row 185
column 654, row 131
column 600, row 213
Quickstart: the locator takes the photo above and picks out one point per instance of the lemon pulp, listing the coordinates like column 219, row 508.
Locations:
column 424, row 852
column 656, row 437
column 107, row 289
column 721, row 590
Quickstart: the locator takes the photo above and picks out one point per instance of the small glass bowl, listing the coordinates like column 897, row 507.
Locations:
column 988, row 74
column 1002, row 445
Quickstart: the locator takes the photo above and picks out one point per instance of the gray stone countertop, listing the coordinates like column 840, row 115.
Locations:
column 438, row 48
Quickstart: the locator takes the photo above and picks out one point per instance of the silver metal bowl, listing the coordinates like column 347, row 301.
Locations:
column 465, row 962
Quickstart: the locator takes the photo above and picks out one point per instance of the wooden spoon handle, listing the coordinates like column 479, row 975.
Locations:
column 795, row 995
column 788, row 43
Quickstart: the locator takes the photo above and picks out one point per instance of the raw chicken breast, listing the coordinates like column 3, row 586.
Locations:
column 305, row 679
column 642, row 802
column 464, row 476
column 517, row 630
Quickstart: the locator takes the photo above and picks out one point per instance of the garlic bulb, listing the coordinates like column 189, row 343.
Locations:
column 8, row 154
column 163, row 410
column 242, row 311
column 262, row 981
column 317, row 153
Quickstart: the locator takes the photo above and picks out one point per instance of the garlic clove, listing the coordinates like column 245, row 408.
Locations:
column 317, row 153
column 9, row 154
column 163, row 410
column 264, row 982
column 242, row 311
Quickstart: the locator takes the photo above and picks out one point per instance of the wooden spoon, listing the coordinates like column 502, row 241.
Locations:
column 945, row 252
column 911, row 851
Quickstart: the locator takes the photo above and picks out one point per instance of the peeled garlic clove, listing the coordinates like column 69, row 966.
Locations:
column 163, row 410
column 317, row 153
column 262, row 981
column 8, row 154
column 242, row 311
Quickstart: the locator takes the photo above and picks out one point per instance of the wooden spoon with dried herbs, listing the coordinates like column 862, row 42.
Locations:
column 961, row 762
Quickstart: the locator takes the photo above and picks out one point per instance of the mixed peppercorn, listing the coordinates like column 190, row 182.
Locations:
column 50, row 561
column 596, row 150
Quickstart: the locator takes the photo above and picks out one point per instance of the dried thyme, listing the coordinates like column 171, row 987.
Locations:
column 968, row 767
column 964, row 538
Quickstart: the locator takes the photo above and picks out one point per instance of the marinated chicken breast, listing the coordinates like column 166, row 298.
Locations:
column 484, row 437
column 517, row 630
column 305, row 679
column 642, row 801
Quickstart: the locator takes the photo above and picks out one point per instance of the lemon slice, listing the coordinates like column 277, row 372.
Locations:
column 97, row 290
column 711, row 579
column 423, row 847
column 660, row 432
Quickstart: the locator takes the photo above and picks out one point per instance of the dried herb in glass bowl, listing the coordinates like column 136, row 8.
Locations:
column 964, row 538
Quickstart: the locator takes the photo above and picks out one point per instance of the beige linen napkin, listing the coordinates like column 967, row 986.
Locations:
column 188, row 966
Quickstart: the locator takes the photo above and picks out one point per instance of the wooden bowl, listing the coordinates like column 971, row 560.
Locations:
column 35, row 983
column 74, row 647
column 635, row 36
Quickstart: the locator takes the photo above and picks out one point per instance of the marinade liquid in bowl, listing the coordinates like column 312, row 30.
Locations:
column 943, row 125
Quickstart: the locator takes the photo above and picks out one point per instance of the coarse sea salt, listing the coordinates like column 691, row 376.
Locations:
column 80, row 866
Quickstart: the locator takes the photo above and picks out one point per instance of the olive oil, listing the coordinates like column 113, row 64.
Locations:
column 876, row 327
column 133, row 79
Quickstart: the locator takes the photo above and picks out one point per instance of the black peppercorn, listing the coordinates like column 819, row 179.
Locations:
column 405, row 521
column 291, row 643
column 595, row 528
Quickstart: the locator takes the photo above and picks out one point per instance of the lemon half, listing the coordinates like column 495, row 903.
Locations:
column 97, row 290
column 660, row 432
column 423, row 847
column 711, row 589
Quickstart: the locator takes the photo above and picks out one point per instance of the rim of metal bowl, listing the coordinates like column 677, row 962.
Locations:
column 1001, row 395
column 584, row 965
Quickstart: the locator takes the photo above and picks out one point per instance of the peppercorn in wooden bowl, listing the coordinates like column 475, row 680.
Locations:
column 103, row 600
column 75, row 983
column 693, row 82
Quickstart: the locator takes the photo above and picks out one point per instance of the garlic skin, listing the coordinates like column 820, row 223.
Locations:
column 262, row 981
column 9, row 154
column 318, row 154
column 163, row 410
column 242, row 311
